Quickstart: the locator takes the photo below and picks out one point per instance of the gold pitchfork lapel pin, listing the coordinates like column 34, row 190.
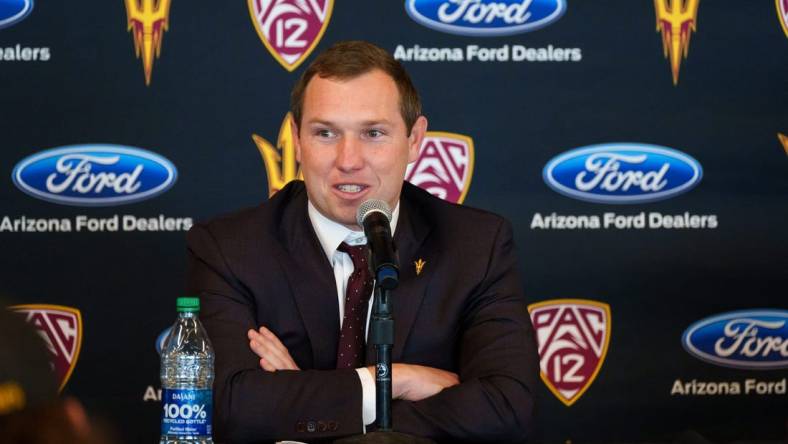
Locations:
column 419, row 265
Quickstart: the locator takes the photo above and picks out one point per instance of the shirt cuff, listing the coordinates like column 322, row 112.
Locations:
column 367, row 395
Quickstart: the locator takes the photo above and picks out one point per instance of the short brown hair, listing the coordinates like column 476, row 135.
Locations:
column 350, row 59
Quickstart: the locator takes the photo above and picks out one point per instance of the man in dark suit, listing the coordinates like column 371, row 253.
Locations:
column 283, row 287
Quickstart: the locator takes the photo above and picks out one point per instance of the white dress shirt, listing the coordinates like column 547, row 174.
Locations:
column 331, row 234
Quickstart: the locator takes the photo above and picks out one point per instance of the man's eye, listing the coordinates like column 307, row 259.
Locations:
column 324, row 133
column 375, row 133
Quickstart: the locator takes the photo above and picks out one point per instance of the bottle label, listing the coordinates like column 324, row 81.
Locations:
column 186, row 412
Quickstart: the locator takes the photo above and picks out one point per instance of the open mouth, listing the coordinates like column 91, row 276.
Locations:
column 350, row 188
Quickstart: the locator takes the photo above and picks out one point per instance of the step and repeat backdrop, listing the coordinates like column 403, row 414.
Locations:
column 638, row 147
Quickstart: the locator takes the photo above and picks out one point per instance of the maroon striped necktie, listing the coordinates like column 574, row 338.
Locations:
column 350, row 353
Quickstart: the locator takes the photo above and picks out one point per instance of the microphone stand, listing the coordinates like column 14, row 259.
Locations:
column 381, row 333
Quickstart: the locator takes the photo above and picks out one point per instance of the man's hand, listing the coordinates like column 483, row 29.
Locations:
column 273, row 354
column 416, row 382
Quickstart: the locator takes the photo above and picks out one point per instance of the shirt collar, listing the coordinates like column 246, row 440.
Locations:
column 331, row 234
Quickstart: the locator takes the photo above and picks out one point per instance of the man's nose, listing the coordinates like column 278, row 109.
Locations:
column 350, row 155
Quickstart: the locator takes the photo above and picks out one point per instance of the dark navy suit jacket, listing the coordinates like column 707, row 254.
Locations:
column 465, row 312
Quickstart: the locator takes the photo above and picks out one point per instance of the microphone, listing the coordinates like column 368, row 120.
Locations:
column 374, row 216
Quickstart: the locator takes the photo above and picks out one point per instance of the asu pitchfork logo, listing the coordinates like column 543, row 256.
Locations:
column 147, row 20
column 444, row 167
column 676, row 20
column 280, row 160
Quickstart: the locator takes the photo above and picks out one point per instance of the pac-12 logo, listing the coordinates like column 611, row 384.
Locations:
column 444, row 166
column 622, row 173
column 573, row 337
column 485, row 17
column 61, row 329
column 290, row 29
column 782, row 14
column 94, row 175
column 750, row 339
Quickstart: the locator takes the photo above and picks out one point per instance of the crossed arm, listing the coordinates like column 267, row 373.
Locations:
column 409, row 382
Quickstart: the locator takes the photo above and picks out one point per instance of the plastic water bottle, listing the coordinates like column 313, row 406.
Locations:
column 186, row 379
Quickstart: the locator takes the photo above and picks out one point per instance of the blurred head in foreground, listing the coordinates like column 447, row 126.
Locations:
column 30, row 410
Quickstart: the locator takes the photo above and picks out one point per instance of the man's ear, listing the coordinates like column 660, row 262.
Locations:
column 417, row 133
column 296, row 138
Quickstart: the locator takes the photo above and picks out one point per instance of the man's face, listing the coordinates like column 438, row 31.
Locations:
column 353, row 144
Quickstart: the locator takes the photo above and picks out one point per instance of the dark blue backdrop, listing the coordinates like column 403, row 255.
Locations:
column 215, row 84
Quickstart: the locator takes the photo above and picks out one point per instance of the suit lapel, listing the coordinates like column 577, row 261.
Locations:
column 312, row 281
column 412, row 229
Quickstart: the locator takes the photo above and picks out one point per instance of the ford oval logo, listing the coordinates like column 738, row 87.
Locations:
column 94, row 175
column 14, row 11
column 752, row 339
column 161, row 340
column 485, row 17
column 622, row 173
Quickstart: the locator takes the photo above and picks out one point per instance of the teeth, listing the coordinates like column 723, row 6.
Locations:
column 349, row 188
